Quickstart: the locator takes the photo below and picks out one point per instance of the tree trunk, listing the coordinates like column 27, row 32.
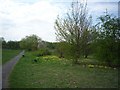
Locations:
column 86, row 55
column 61, row 55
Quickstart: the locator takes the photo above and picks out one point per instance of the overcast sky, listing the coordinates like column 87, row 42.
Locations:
column 19, row 18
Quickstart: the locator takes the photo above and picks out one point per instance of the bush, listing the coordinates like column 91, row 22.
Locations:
column 43, row 52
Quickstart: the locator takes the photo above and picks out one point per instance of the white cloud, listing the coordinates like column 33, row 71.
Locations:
column 37, row 18
column 39, row 10
column 19, row 18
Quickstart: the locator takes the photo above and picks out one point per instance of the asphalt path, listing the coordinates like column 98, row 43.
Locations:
column 7, row 69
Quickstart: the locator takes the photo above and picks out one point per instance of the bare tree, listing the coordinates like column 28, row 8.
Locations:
column 73, row 27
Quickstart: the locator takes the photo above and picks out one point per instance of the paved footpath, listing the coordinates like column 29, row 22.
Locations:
column 7, row 68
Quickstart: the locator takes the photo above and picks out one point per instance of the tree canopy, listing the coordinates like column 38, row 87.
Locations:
column 108, row 39
column 31, row 42
column 74, row 29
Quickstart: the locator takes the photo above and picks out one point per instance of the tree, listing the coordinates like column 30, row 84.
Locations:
column 73, row 28
column 13, row 45
column 108, row 40
column 10, row 44
column 3, row 43
column 30, row 42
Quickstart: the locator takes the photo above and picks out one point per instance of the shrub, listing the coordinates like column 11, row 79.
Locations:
column 43, row 52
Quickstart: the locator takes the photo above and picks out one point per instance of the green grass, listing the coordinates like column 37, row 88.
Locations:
column 0, row 56
column 8, row 54
column 51, row 72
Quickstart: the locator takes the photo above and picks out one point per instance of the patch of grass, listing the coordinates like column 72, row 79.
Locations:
column 8, row 54
column 51, row 72
column 0, row 56
column 93, row 61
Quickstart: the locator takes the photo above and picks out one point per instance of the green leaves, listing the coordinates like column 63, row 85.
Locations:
column 108, row 39
column 30, row 42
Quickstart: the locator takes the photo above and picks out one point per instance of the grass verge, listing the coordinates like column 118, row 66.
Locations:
column 8, row 54
column 52, row 72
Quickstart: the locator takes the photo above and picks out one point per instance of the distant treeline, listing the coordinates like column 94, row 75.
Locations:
column 16, row 44
column 10, row 45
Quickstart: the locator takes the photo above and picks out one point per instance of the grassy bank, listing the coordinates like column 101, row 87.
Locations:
column 51, row 72
column 8, row 54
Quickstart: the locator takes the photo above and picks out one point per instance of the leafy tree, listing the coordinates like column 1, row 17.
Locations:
column 49, row 45
column 3, row 43
column 30, row 42
column 108, row 40
column 13, row 45
column 10, row 44
column 73, row 28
